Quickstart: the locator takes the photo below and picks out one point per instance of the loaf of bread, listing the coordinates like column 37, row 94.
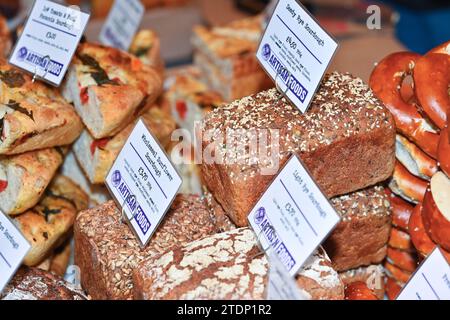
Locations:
column 48, row 224
column 32, row 115
column 373, row 276
column 107, row 252
column 35, row 284
column 346, row 140
column 96, row 157
column 109, row 88
column 361, row 238
column 227, row 57
column 24, row 178
column 5, row 38
column 226, row 266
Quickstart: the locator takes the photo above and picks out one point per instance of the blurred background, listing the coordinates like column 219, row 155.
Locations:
column 416, row 25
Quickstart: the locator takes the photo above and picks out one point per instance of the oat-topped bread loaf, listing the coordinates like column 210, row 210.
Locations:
column 97, row 156
column 346, row 140
column 32, row 115
column 226, row 266
column 361, row 238
column 109, row 88
column 373, row 276
column 24, row 178
column 35, row 284
column 107, row 251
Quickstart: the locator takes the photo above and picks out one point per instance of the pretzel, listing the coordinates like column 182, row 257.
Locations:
column 404, row 260
column 419, row 237
column 401, row 211
column 400, row 240
column 436, row 210
column 415, row 160
column 397, row 273
column 393, row 288
column 406, row 185
column 444, row 151
column 432, row 80
column 386, row 82
column 359, row 291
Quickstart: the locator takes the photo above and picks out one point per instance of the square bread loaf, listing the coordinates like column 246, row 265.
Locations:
column 361, row 238
column 346, row 140
column 227, row 266
column 107, row 252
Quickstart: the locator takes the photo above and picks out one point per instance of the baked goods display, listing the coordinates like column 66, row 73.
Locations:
column 380, row 153
column 421, row 216
column 227, row 57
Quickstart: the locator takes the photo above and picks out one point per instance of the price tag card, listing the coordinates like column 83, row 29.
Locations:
column 295, row 51
column 293, row 216
column 143, row 182
column 281, row 286
column 13, row 249
column 430, row 282
column 122, row 24
column 49, row 40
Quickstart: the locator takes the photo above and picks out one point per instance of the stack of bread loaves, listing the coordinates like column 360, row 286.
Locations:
column 347, row 142
column 36, row 127
column 421, row 111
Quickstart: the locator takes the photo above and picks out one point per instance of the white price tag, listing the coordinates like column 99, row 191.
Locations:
column 293, row 216
column 144, row 182
column 295, row 51
column 13, row 249
column 430, row 282
column 49, row 40
column 281, row 285
column 122, row 24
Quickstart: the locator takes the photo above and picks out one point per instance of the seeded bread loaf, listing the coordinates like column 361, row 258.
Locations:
column 35, row 284
column 373, row 276
column 346, row 140
column 361, row 238
column 107, row 252
column 226, row 266
column 24, row 178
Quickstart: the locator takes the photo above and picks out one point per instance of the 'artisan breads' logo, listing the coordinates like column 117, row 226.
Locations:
column 116, row 178
column 260, row 215
column 266, row 52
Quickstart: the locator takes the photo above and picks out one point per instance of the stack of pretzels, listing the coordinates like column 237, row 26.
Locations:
column 416, row 90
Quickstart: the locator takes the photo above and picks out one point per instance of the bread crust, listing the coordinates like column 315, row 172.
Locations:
column 346, row 146
column 360, row 239
column 49, row 223
column 35, row 284
column 107, row 252
column 27, row 175
column 226, row 266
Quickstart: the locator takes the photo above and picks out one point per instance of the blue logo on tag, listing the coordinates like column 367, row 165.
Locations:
column 266, row 52
column 22, row 53
column 116, row 178
column 260, row 215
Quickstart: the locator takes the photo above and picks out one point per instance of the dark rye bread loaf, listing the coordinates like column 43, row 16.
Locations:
column 107, row 251
column 35, row 284
column 227, row 266
column 346, row 140
column 361, row 238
